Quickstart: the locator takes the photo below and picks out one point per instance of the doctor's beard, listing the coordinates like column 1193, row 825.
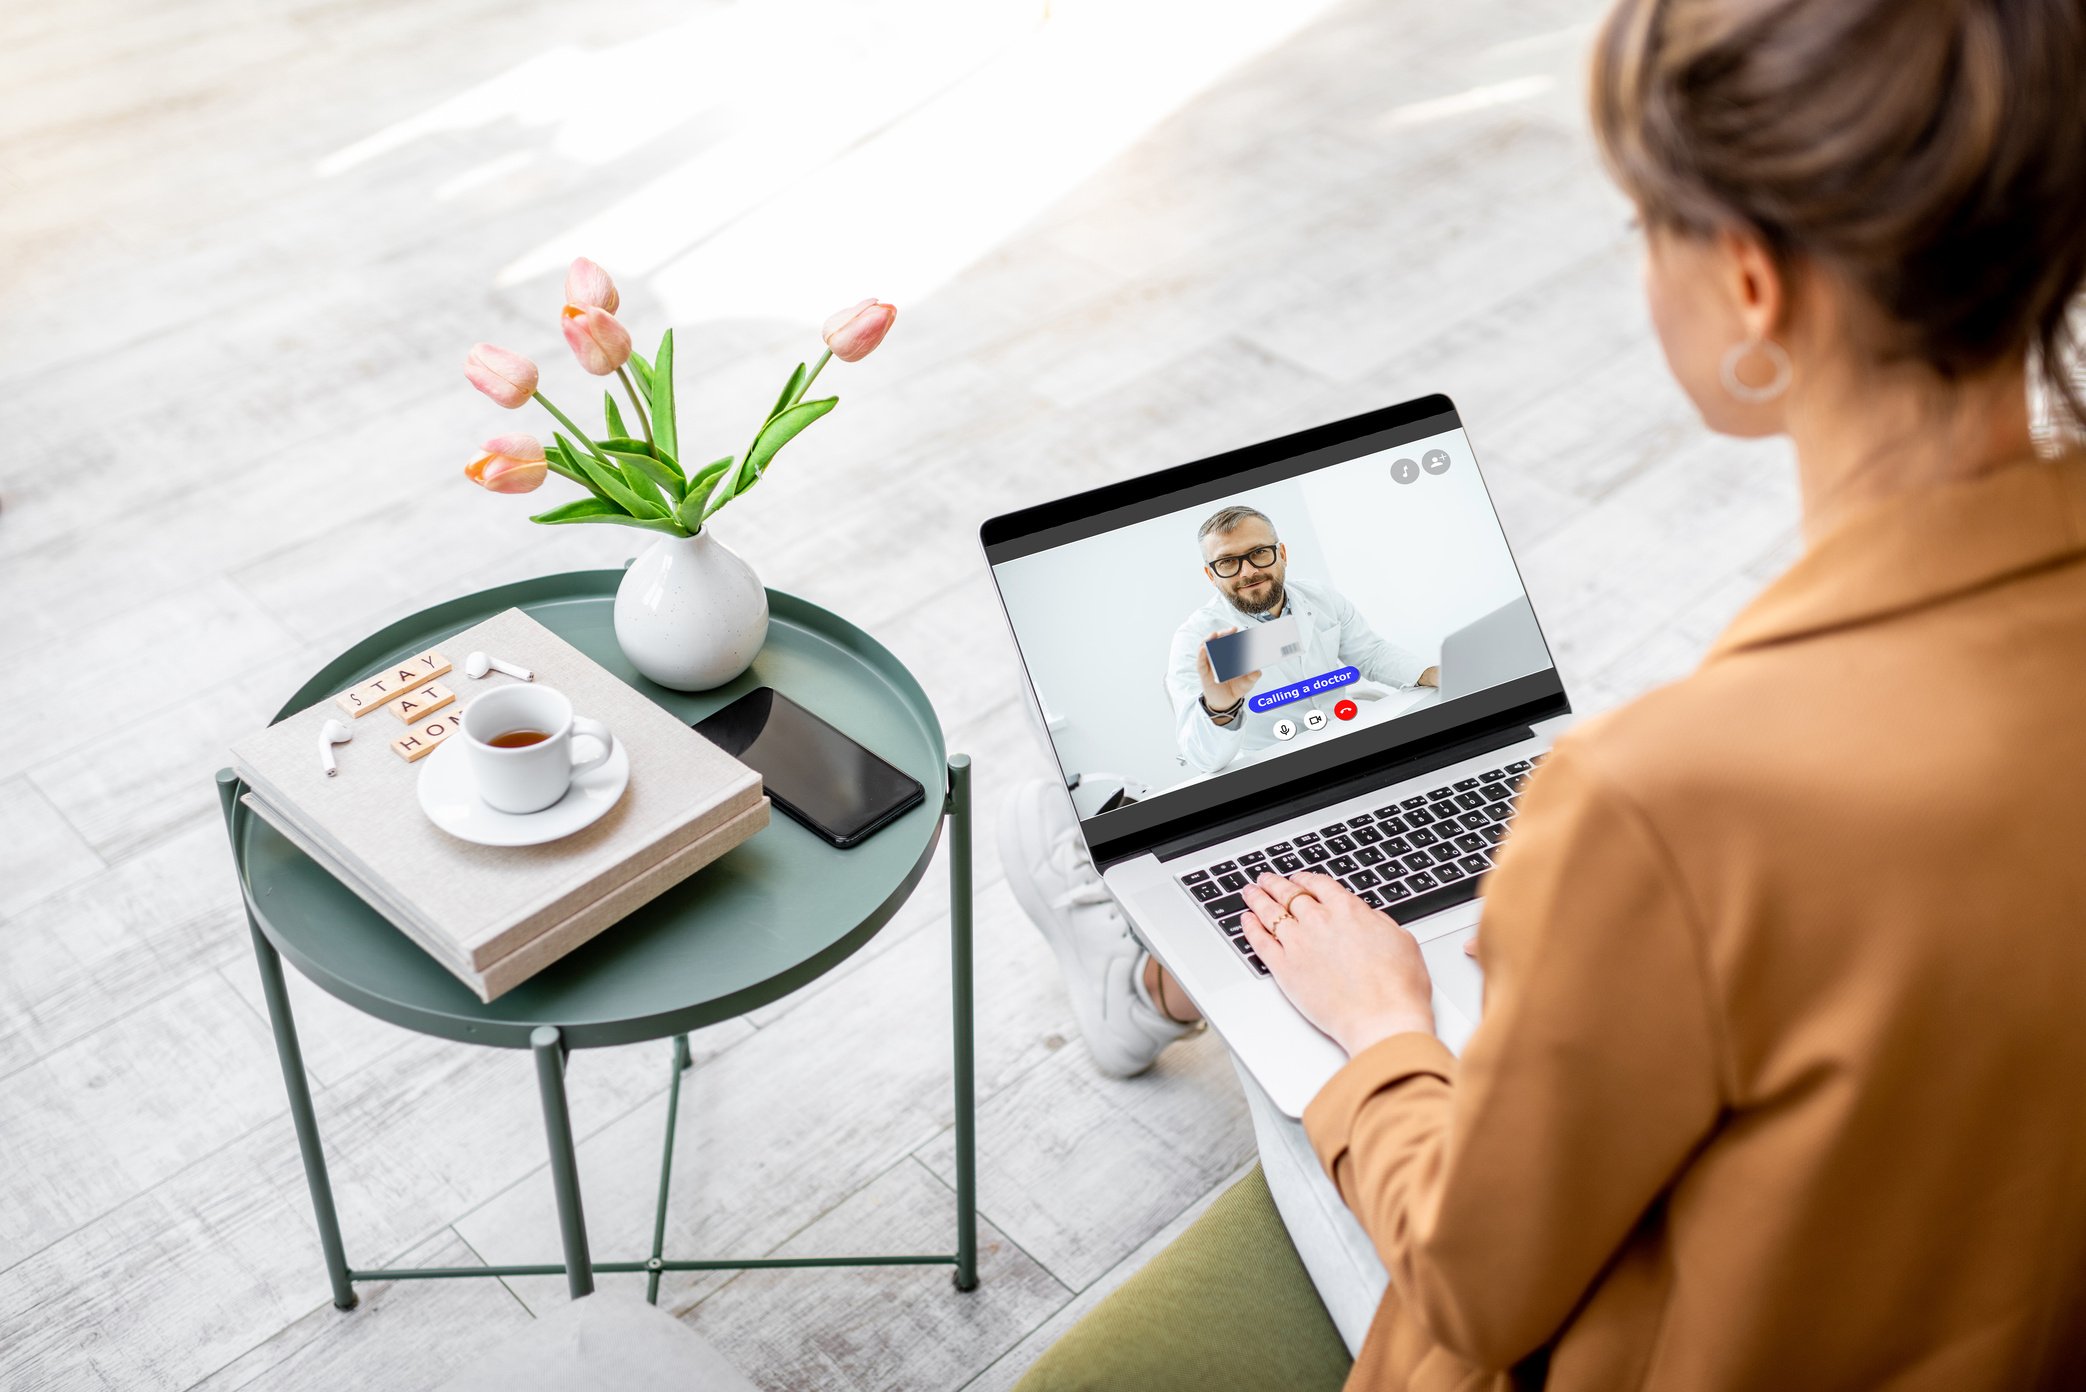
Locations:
column 1268, row 601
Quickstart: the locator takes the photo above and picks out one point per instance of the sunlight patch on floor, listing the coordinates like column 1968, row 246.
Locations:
column 906, row 199
column 1492, row 94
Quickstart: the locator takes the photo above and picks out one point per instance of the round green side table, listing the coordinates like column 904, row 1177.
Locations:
column 776, row 912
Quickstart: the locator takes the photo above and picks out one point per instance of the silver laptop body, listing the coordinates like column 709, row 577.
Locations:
column 1384, row 520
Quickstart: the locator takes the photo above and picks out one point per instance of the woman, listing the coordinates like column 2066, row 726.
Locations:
column 1782, row 1080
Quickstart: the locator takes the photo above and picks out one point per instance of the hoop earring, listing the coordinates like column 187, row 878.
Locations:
column 1774, row 386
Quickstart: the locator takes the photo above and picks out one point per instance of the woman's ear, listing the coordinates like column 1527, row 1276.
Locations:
column 1712, row 295
column 1753, row 283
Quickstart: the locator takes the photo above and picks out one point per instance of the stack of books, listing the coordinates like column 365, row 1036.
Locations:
column 497, row 915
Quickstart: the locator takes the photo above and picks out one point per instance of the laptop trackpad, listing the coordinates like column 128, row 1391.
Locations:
column 1459, row 987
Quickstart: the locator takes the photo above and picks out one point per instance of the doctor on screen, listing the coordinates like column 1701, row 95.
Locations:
column 1248, row 566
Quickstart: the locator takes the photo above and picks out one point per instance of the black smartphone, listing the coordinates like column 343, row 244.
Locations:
column 816, row 774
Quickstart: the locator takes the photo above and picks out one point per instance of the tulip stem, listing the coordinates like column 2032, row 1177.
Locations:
column 643, row 423
column 816, row 368
column 577, row 433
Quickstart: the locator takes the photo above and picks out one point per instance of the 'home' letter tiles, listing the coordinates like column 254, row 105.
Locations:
column 421, row 700
column 422, row 738
column 359, row 700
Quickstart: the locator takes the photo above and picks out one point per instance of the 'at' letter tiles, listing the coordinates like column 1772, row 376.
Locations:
column 421, row 700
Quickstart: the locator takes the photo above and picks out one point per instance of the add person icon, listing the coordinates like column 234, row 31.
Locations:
column 1285, row 729
column 1435, row 461
column 1314, row 720
column 1405, row 471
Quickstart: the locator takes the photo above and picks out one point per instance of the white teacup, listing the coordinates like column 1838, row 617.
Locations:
column 516, row 776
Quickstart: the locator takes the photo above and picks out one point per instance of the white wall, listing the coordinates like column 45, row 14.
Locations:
column 1096, row 617
column 1419, row 559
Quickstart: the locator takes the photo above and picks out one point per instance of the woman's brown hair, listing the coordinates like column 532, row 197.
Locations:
column 1930, row 154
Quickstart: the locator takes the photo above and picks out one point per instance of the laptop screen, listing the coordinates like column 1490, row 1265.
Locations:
column 1200, row 638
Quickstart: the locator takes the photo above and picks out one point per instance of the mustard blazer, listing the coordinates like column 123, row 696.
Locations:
column 1781, row 1082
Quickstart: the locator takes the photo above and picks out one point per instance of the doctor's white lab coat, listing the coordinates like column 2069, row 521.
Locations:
column 1333, row 633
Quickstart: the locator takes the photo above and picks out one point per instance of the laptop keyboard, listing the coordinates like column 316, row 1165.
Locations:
column 1410, row 858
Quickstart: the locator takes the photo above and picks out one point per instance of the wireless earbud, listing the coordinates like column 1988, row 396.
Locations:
column 331, row 733
column 478, row 664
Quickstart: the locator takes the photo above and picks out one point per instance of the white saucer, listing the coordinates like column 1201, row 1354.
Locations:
column 449, row 796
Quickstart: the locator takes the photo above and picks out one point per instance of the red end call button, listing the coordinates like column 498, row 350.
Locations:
column 1345, row 710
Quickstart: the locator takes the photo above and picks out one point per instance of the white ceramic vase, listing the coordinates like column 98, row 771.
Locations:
column 690, row 614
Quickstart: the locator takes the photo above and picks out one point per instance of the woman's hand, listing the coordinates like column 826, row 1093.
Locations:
column 1352, row 970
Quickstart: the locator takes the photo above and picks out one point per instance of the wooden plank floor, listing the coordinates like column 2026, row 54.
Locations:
column 245, row 249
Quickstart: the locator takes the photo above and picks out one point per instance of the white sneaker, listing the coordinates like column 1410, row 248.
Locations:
column 1057, row 886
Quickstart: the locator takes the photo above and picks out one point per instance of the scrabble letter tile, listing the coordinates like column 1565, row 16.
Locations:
column 362, row 698
column 420, row 701
column 421, row 740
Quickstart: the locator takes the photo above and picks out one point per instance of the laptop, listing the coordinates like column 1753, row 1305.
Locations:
column 1494, row 649
column 1374, row 542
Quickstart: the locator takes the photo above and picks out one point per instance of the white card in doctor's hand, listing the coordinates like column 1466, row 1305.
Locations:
column 1254, row 648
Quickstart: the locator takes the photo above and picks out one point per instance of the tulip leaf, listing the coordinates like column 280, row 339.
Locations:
column 709, row 472
column 612, row 415
column 697, row 499
column 661, row 391
column 636, row 463
column 578, row 510
column 779, row 432
column 691, row 512
column 641, row 482
column 597, row 510
column 561, row 464
column 722, row 491
column 610, row 483
column 790, row 391
column 618, row 444
column 642, row 370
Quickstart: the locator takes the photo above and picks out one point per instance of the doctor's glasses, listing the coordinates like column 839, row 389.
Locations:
column 1261, row 556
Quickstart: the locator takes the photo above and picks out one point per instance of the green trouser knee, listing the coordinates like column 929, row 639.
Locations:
column 1227, row 1306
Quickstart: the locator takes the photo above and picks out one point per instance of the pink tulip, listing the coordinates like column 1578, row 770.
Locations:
column 508, row 378
column 587, row 284
column 854, row 331
column 600, row 343
column 510, row 464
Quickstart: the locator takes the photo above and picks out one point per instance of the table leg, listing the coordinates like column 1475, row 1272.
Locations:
column 682, row 1061
column 291, row 1057
column 960, row 995
column 547, row 1045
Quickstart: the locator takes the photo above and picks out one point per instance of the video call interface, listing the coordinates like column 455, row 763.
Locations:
column 1261, row 622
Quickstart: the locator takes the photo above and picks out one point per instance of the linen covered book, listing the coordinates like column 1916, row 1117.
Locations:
column 495, row 915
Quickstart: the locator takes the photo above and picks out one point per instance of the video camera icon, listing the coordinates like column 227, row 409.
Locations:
column 1314, row 720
